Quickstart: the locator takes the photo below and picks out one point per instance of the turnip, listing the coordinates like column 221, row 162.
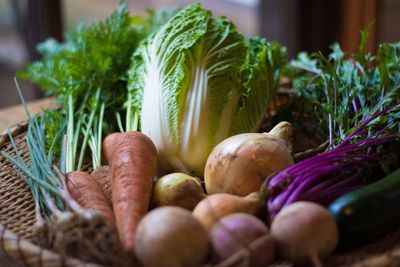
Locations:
column 239, row 164
column 304, row 233
column 171, row 237
column 242, row 236
column 178, row 189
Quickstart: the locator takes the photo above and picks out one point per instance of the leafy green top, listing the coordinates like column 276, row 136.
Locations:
column 92, row 57
column 345, row 91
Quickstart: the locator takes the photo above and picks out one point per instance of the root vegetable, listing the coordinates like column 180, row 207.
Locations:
column 242, row 234
column 171, row 237
column 87, row 192
column 239, row 164
column 214, row 207
column 178, row 189
column 304, row 232
column 103, row 177
column 132, row 158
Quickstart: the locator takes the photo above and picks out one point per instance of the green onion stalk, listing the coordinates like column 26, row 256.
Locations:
column 38, row 175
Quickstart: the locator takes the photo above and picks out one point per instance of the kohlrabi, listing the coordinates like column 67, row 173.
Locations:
column 197, row 81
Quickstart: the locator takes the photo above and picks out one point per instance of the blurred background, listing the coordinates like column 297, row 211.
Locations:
column 309, row 25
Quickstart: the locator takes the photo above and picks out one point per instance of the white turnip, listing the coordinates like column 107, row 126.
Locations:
column 304, row 233
column 171, row 237
column 242, row 236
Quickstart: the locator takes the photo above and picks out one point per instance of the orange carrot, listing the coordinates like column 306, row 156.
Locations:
column 102, row 176
column 87, row 192
column 132, row 158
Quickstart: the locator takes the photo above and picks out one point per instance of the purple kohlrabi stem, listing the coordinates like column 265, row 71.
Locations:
column 288, row 175
column 326, row 176
column 366, row 122
column 327, row 195
column 335, row 182
column 355, row 108
column 309, row 180
column 317, row 178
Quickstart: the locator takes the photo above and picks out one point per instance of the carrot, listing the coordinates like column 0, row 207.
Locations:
column 102, row 176
column 87, row 192
column 132, row 158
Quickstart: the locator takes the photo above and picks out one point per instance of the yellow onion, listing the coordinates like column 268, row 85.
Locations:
column 239, row 164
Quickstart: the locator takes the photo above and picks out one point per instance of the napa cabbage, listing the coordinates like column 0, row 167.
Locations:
column 197, row 81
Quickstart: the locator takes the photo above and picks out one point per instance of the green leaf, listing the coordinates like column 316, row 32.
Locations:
column 261, row 74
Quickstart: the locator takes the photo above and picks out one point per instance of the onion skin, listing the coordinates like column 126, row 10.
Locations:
column 178, row 189
column 170, row 237
column 304, row 232
column 239, row 164
column 214, row 207
column 241, row 231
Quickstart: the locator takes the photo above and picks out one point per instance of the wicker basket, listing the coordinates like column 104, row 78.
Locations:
column 17, row 216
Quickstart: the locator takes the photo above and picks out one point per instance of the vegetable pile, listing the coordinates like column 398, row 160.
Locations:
column 151, row 156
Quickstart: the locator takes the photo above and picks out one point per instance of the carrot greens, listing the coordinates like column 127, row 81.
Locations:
column 87, row 74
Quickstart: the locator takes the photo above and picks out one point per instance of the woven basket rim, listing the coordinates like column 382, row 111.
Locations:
column 28, row 253
column 13, row 130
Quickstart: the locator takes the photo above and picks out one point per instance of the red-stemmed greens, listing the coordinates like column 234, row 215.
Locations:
column 359, row 160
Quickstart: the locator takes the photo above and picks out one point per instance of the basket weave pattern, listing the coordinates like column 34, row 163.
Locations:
column 17, row 214
column 15, row 198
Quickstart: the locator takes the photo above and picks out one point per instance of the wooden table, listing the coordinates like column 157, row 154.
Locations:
column 14, row 114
